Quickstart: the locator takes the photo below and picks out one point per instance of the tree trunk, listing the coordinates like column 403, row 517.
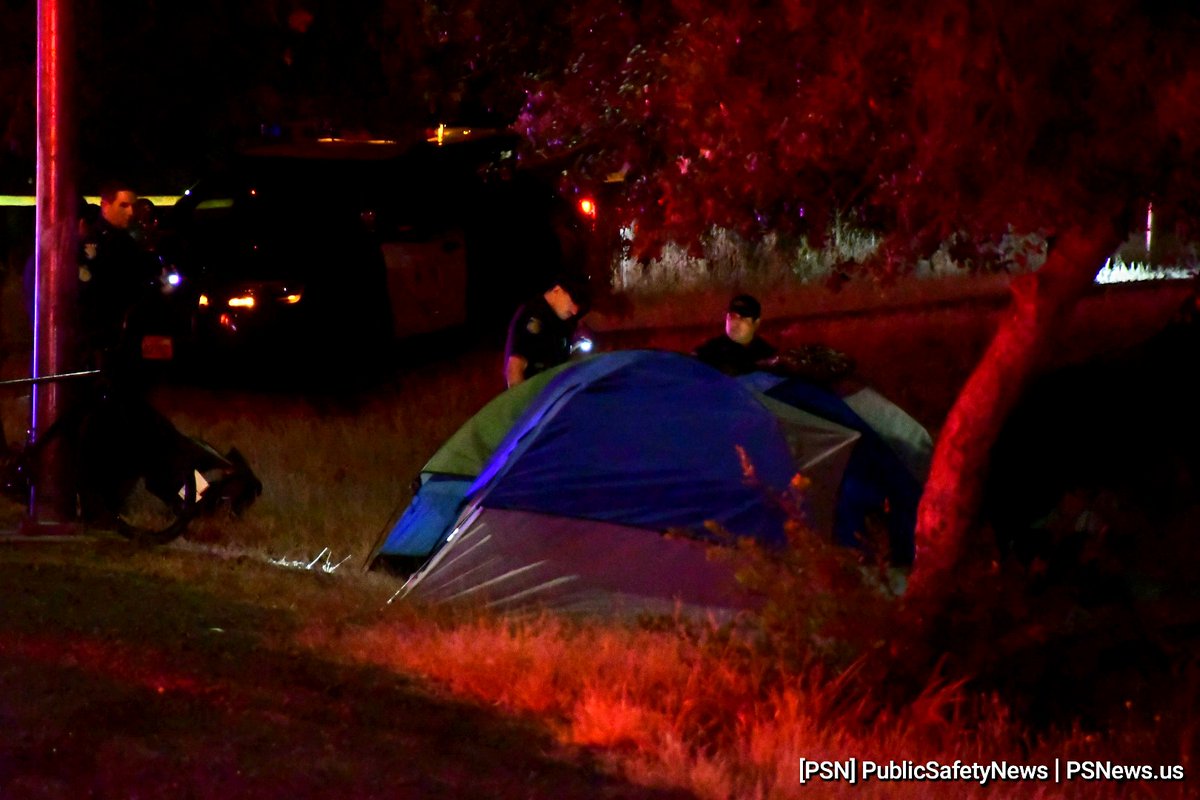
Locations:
column 1041, row 302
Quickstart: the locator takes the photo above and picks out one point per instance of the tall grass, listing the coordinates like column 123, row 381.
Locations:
column 726, row 259
column 720, row 712
column 694, row 707
column 723, row 259
column 335, row 467
column 723, row 713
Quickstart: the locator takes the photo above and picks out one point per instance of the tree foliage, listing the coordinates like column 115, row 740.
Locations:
column 922, row 120
column 932, row 123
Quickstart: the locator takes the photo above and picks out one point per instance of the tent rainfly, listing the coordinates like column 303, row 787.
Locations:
column 597, row 486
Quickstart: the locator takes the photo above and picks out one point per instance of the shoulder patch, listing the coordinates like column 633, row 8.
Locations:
column 534, row 325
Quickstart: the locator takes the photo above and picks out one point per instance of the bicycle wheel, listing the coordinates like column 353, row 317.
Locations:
column 149, row 517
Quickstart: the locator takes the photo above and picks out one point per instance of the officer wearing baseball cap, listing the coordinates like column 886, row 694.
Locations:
column 542, row 330
column 740, row 349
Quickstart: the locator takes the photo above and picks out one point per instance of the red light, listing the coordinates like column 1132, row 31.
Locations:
column 587, row 207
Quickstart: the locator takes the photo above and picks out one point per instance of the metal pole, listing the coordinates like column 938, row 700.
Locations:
column 63, row 376
column 52, row 505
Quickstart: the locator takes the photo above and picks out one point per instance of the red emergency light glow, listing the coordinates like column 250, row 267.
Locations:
column 587, row 207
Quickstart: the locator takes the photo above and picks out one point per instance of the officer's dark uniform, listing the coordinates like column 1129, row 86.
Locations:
column 732, row 358
column 537, row 335
column 115, row 275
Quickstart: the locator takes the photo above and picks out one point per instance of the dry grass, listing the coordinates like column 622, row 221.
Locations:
column 334, row 468
column 690, row 709
column 674, row 704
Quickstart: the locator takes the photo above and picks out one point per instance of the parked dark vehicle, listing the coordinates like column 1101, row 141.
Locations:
column 338, row 248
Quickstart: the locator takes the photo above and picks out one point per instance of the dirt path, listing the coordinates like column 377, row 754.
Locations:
column 115, row 683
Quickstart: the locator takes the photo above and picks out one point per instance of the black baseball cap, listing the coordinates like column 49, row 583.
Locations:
column 745, row 306
column 576, row 286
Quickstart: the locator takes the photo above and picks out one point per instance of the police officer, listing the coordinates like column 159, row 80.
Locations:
column 541, row 332
column 740, row 349
column 115, row 272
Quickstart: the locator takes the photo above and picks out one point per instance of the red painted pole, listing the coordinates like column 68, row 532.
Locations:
column 52, row 506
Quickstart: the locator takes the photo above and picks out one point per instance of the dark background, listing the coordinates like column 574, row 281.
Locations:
column 165, row 91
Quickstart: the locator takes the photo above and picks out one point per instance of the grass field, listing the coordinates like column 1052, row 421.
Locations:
column 219, row 668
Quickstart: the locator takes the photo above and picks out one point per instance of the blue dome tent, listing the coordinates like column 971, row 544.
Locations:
column 598, row 486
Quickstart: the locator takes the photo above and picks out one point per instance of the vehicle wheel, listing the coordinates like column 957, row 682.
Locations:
column 148, row 518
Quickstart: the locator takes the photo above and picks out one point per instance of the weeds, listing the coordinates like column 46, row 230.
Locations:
column 726, row 259
column 708, row 710
column 826, row 672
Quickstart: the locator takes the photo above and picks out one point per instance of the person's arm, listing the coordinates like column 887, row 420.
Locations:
column 514, row 370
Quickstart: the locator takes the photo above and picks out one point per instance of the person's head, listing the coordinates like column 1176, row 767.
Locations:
column 567, row 296
column 145, row 213
column 742, row 319
column 88, row 214
column 116, row 204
